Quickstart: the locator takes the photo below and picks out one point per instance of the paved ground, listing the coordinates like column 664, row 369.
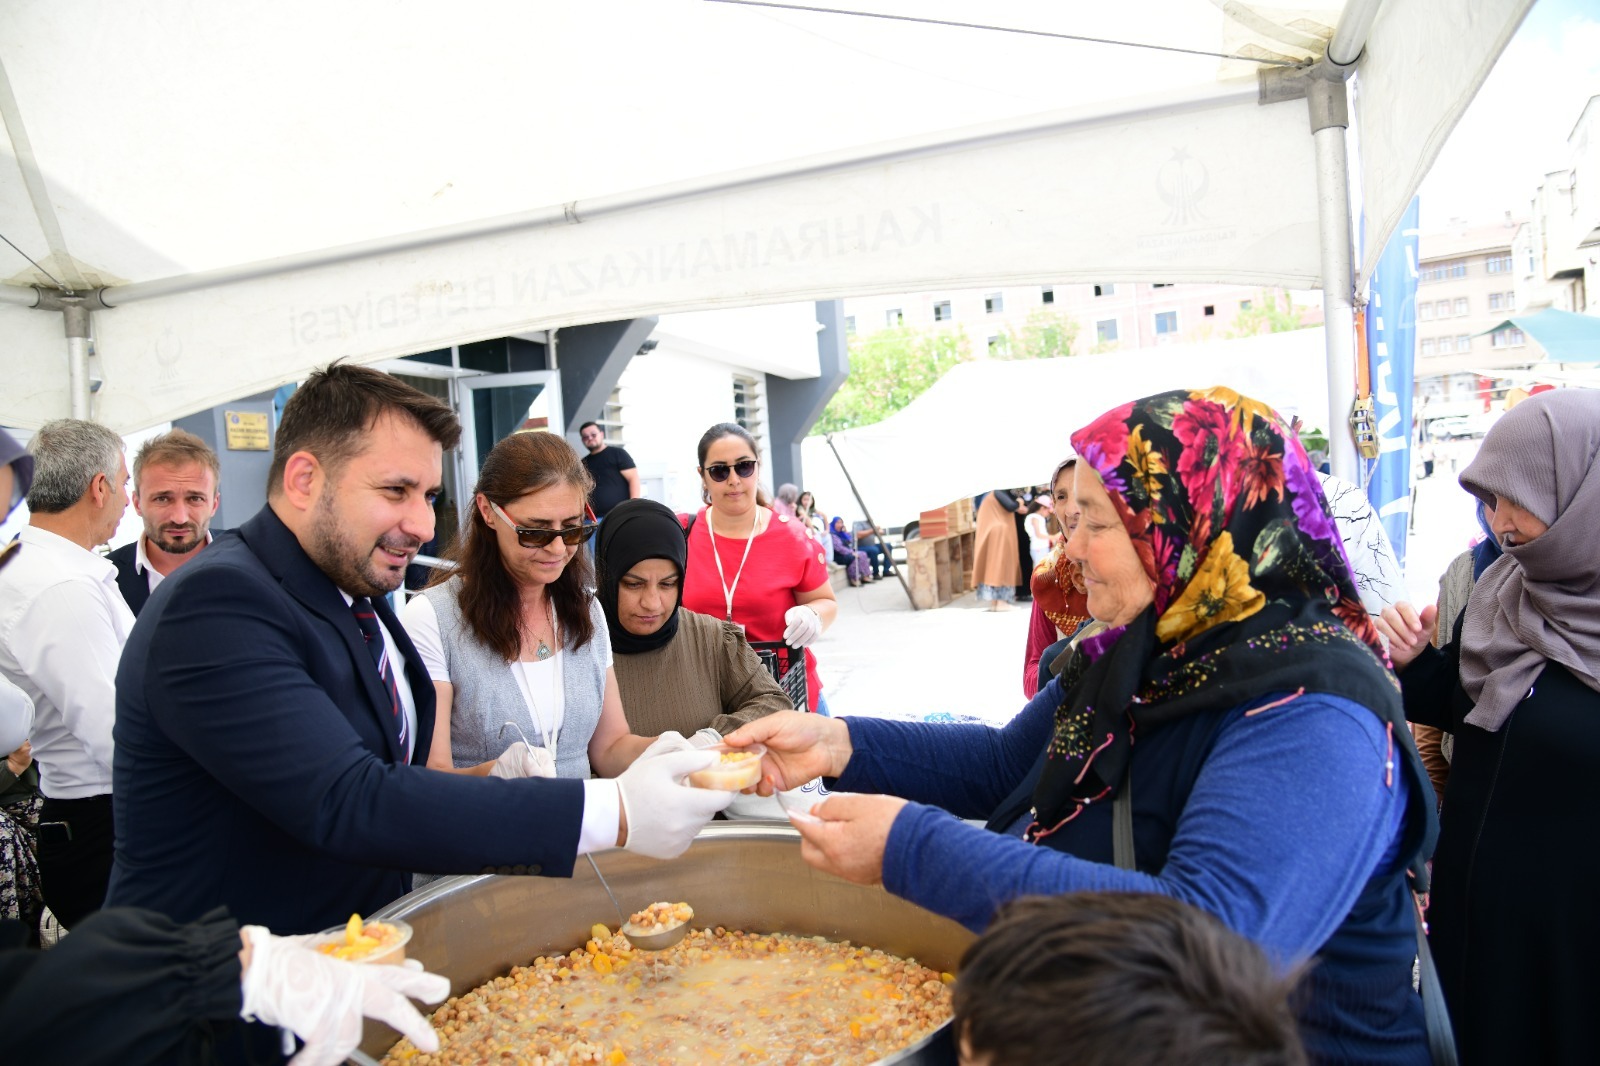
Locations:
column 882, row 658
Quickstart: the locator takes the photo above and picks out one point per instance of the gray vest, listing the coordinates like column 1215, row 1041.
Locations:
column 487, row 694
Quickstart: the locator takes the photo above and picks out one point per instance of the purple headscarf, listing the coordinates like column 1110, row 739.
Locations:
column 1540, row 601
column 14, row 455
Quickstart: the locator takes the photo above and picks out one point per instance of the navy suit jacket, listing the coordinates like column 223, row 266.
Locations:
column 135, row 587
column 256, row 763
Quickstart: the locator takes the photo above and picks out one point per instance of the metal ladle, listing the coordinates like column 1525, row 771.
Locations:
column 661, row 941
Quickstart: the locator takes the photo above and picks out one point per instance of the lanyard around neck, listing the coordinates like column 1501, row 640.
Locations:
column 728, row 590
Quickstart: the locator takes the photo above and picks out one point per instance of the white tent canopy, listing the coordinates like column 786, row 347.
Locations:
column 1004, row 424
column 261, row 190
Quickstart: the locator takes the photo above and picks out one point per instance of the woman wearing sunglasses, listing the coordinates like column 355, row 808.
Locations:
column 514, row 635
column 750, row 566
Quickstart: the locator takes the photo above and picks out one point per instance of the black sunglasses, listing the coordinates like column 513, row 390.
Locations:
column 534, row 537
column 719, row 471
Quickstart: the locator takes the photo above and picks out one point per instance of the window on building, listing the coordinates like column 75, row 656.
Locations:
column 994, row 303
column 1494, row 301
column 941, row 311
column 1047, row 295
column 849, row 323
column 1461, row 306
column 1454, row 268
column 1244, row 305
column 610, row 418
column 1447, row 345
column 1105, row 290
column 997, row 344
column 1463, row 343
column 1425, row 312
column 1211, row 309
column 1105, row 330
column 750, row 405
column 1426, row 347
column 1510, row 337
column 1498, row 264
column 894, row 317
column 1511, row 301
column 1166, row 322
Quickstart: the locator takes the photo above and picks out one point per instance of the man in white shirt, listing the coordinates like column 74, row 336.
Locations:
column 62, row 627
column 175, row 479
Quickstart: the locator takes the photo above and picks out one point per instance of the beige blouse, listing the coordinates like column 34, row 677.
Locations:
column 706, row 676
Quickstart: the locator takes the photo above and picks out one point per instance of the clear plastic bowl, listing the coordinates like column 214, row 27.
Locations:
column 384, row 955
column 741, row 771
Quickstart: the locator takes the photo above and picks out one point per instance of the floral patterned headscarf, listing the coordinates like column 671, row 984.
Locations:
column 1253, row 593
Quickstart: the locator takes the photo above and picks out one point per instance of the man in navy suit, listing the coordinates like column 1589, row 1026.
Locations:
column 175, row 478
column 273, row 717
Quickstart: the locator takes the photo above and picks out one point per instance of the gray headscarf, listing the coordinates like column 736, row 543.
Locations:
column 1540, row 601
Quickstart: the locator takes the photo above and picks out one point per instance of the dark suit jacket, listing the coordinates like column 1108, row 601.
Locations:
column 256, row 764
column 135, row 587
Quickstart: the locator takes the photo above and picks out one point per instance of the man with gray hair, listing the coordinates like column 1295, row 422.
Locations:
column 62, row 627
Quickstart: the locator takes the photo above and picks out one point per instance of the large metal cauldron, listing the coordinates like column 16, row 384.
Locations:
column 741, row 875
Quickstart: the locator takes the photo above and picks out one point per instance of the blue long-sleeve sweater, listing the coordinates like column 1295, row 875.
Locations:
column 1293, row 811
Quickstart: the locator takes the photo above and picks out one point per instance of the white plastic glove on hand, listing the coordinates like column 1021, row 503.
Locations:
column 323, row 1000
column 520, row 760
column 663, row 813
column 802, row 626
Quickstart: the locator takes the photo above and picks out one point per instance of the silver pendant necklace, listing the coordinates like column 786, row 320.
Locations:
column 543, row 651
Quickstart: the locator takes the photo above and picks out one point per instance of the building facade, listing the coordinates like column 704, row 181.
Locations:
column 1108, row 316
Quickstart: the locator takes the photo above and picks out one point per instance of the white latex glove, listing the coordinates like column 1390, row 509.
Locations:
column 802, row 625
column 663, row 813
column 519, row 760
column 322, row 1000
column 705, row 738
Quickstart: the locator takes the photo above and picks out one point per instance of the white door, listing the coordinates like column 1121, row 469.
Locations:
column 494, row 406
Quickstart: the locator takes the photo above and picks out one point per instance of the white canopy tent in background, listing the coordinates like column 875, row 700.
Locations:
column 252, row 192
column 1006, row 423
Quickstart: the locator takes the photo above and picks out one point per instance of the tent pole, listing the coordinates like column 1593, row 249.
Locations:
column 1329, row 117
column 76, row 317
column 75, row 309
column 898, row 573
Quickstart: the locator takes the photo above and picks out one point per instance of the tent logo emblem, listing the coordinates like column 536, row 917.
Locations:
column 1182, row 182
column 168, row 352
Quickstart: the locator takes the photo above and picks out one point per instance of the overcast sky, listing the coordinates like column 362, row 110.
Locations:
column 1515, row 130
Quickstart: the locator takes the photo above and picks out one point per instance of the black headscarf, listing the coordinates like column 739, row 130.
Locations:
column 14, row 455
column 635, row 530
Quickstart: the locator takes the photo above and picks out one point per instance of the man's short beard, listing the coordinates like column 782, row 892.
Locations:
column 174, row 548
column 341, row 559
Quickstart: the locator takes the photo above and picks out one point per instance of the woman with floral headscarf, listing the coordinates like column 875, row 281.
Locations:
column 1238, row 705
column 1513, row 918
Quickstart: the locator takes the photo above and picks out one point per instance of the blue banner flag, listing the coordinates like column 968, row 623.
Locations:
column 1391, row 352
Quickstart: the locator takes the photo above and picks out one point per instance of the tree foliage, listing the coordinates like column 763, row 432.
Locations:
column 1045, row 334
column 888, row 370
column 1268, row 315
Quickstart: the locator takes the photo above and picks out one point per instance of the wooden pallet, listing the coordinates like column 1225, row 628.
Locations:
column 938, row 569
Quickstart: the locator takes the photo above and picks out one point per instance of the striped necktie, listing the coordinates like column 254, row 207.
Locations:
column 378, row 648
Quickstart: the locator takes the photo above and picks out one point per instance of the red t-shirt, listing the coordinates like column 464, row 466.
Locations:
column 782, row 561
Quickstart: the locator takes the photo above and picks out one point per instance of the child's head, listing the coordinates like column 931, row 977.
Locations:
column 1104, row 978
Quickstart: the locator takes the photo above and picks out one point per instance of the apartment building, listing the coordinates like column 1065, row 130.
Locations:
column 1110, row 315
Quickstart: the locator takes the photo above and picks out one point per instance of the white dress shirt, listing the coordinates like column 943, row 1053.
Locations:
column 141, row 561
column 16, row 717
column 63, row 623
